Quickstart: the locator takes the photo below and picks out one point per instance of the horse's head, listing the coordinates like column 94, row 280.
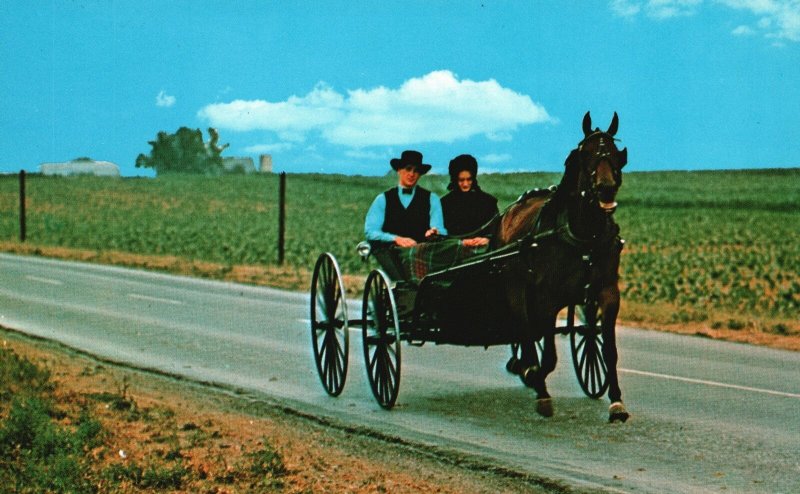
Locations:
column 599, row 165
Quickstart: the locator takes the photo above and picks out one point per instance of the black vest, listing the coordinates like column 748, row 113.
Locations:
column 410, row 222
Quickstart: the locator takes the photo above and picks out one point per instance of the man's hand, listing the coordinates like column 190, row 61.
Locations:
column 404, row 242
column 431, row 232
column 475, row 242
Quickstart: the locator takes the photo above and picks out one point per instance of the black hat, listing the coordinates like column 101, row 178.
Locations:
column 410, row 158
column 461, row 163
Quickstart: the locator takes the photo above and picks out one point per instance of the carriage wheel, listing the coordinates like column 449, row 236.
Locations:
column 587, row 352
column 381, row 336
column 329, row 332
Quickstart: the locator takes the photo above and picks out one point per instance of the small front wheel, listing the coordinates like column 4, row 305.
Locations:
column 381, row 337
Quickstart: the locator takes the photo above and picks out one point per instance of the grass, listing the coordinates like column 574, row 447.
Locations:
column 707, row 242
column 36, row 454
column 57, row 445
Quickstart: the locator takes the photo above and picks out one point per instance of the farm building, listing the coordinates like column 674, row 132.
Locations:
column 238, row 165
column 81, row 167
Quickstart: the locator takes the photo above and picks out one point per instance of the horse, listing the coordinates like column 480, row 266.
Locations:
column 572, row 258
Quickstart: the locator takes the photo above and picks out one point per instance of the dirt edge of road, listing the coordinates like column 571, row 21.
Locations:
column 320, row 455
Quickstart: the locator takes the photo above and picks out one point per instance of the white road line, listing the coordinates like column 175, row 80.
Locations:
column 710, row 383
column 155, row 299
column 49, row 281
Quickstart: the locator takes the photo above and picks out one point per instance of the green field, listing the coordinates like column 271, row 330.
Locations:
column 710, row 240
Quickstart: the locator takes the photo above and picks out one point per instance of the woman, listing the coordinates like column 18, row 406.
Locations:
column 466, row 207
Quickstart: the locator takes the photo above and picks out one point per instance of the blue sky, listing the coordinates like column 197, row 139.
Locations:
column 343, row 87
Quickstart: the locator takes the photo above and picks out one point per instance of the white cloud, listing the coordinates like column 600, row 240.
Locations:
column 656, row 9
column 269, row 148
column 365, row 155
column 777, row 19
column 667, row 9
column 290, row 119
column 165, row 100
column 625, row 8
column 496, row 158
column 743, row 31
column 501, row 136
column 437, row 107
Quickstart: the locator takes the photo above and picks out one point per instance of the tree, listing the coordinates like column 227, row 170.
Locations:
column 184, row 152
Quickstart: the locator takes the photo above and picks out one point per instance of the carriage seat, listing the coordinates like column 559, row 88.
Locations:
column 410, row 266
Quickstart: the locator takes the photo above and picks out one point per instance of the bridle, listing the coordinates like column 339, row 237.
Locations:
column 589, row 166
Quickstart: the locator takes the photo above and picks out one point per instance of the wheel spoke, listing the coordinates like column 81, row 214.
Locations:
column 582, row 353
column 380, row 339
column 593, row 373
column 329, row 331
column 587, row 352
column 585, row 368
column 373, row 361
column 580, row 345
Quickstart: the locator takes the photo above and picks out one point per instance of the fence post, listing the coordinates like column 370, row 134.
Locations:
column 281, row 216
column 22, row 226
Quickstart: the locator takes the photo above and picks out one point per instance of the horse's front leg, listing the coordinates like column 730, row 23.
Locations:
column 609, row 307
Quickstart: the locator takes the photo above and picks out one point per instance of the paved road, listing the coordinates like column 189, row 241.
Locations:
column 707, row 415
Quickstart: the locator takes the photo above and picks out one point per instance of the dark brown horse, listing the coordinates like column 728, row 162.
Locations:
column 572, row 259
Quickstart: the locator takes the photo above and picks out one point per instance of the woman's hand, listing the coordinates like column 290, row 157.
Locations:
column 431, row 232
column 475, row 242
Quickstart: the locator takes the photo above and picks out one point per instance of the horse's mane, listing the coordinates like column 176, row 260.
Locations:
column 568, row 180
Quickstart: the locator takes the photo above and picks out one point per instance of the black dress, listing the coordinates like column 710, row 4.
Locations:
column 465, row 212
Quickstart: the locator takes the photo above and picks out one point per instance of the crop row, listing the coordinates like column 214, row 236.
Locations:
column 703, row 240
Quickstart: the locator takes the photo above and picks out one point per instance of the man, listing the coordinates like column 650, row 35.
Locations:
column 407, row 214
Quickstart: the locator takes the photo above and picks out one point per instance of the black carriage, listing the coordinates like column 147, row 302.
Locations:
column 453, row 306
column 552, row 249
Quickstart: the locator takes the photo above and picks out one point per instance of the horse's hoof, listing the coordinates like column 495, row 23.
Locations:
column 617, row 412
column 528, row 376
column 544, row 407
column 514, row 366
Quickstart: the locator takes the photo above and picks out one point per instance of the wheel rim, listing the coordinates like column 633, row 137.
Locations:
column 587, row 354
column 329, row 333
column 381, row 337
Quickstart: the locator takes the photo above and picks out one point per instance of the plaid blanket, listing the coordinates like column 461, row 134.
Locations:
column 429, row 257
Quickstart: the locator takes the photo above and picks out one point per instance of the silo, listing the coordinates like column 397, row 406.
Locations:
column 265, row 163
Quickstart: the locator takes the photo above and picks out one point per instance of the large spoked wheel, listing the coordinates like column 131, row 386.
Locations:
column 329, row 331
column 381, row 336
column 586, row 341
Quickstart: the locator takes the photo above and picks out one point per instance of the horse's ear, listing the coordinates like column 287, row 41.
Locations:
column 587, row 124
column 623, row 157
column 612, row 129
